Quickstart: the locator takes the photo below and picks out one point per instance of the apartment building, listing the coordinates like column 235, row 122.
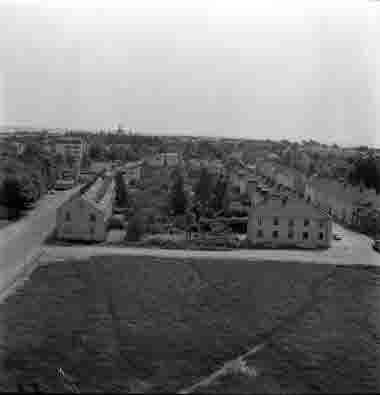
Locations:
column 169, row 159
column 85, row 217
column 343, row 201
column 288, row 222
column 132, row 171
column 239, row 180
column 73, row 146
column 172, row 159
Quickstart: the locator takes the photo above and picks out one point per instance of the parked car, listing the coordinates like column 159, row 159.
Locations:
column 376, row 245
column 337, row 237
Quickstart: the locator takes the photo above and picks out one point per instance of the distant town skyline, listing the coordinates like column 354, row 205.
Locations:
column 224, row 69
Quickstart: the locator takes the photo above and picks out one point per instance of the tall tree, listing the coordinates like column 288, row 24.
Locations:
column 97, row 152
column 203, row 189
column 220, row 194
column 122, row 197
column 135, row 228
column 366, row 171
column 14, row 195
column 70, row 160
column 178, row 198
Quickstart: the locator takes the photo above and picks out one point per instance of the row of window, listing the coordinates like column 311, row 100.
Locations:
column 68, row 217
column 276, row 222
column 275, row 235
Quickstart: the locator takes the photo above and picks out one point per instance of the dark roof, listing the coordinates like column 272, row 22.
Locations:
column 293, row 207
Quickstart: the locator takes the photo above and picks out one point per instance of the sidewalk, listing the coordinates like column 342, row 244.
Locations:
column 353, row 249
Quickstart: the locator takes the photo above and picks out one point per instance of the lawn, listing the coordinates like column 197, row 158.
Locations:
column 148, row 324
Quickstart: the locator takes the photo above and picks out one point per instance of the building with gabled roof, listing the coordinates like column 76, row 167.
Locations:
column 132, row 171
column 85, row 217
column 288, row 222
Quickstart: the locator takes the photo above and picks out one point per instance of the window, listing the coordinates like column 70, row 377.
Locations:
column 275, row 221
column 92, row 217
column 260, row 233
column 305, row 235
column 260, row 221
column 291, row 222
column 92, row 230
column 321, row 235
column 275, row 234
column 68, row 216
column 291, row 235
column 321, row 224
column 306, row 222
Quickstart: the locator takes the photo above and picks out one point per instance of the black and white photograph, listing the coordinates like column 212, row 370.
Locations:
column 190, row 196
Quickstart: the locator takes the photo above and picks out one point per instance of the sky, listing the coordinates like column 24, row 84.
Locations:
column 231, row 68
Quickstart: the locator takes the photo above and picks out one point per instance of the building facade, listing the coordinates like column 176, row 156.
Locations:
column 292, row 222
column 132, row 171
column 85, row 217
column 71, row 146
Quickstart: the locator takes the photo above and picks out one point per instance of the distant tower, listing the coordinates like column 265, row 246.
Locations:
column 120, row 129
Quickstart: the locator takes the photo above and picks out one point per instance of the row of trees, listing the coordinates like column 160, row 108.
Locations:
column 16, row 195
column 28, row 177
column 366, row 171
column 209, row 196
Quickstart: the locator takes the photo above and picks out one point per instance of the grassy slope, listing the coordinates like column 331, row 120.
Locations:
column 161, row 322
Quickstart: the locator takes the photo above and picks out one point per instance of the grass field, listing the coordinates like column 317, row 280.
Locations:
column 147, row 324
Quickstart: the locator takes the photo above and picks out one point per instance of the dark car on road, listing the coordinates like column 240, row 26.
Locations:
column 376, row 245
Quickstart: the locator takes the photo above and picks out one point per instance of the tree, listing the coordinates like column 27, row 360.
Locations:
column 135, row 228
column 97, row 152
column 203, row 189
column 59, row 162
column 178, row 198
column 70, row 160
column 190, row 223
column 122, row 198
column 14, row 195
column 38, row 185
column 366, row 171
column 32, row 152
column 85, row 161
column 312, row 169
column 220, row 194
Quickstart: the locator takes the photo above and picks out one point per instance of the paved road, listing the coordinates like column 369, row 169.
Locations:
column 21, row 241
column 353, row 249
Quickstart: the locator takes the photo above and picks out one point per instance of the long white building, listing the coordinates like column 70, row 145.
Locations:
column 85, row 217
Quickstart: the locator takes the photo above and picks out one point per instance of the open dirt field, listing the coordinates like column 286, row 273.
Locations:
column 160, row 324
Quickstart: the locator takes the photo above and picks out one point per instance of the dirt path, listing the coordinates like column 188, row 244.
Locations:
column 239, row 364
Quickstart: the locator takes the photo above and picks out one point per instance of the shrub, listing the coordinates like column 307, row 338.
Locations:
column 149, row 214
column 116, row 222
column 157, row 228
column 180, row 222
column 135, row 228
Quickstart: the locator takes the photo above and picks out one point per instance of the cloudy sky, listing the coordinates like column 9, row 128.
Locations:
column 265, row 69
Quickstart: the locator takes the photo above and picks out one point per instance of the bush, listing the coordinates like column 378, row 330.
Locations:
column 116, row 222
column 180, row 222
column 149, row 214
column 135, row 228
column 157, row 228
column 164, row 243
column 16, row 195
